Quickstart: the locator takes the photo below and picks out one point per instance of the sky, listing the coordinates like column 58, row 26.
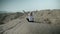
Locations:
column 28, row 5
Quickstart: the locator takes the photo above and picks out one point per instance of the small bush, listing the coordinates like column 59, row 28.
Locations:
column 1, row 22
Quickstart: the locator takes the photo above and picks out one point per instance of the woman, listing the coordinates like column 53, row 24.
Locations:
column 30, row 17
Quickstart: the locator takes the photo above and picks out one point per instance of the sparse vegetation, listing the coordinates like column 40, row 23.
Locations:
column 46, row 22
column 1, row 22
column 50, row 16
column 6, row 17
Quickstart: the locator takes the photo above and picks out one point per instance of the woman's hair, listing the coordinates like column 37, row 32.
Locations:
column 31, row 14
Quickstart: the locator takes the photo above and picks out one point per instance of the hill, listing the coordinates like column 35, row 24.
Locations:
column 46, row 22
column 6, row 17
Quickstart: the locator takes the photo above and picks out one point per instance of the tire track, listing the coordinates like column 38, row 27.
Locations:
column 2, row 32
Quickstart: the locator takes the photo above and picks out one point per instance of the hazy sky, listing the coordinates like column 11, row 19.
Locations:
column 28, row 5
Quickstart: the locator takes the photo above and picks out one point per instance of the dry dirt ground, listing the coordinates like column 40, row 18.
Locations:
column 22, row 26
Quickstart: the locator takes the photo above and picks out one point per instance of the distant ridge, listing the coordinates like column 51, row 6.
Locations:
column 3, row 11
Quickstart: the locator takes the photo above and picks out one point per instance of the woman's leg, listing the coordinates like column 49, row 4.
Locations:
column 27, row 19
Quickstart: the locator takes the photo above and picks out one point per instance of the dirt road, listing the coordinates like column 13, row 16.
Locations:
column 33, row 28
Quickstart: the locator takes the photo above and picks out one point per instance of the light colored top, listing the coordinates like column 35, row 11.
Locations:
column 30, row 16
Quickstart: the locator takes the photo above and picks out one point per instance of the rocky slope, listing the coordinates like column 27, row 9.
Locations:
column 6, row 17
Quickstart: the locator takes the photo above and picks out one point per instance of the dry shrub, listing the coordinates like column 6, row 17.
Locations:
column 1, row 22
